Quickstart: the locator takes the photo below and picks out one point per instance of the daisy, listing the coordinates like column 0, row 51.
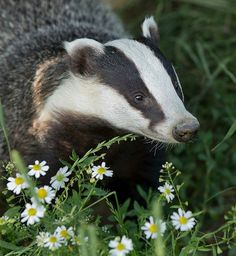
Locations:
column 100, row 170
column 44, row 194
column 38, row 169
column 183, row 220
column 41, row 238
column 167, row 190
column 65, row 233
column 58, row 181
column 16, row 184
column 32, row 213
column 152, row 229
column 120, row 247
column 53, row 242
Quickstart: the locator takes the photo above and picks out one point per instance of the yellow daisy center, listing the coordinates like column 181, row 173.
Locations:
column 32, row 212
column 36, row 167
column 167, row 191
column 120, row 247
column 19, row 180
column 53, row 239
column 64, row 233
column 42, row 193
column 153, row 228
column 101, row 170
column 183, row 220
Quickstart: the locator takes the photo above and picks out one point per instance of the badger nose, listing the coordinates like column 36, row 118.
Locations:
column 186, row 130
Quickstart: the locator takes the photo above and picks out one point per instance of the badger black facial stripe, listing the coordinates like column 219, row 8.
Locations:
column 166, row 64
column 115, row 69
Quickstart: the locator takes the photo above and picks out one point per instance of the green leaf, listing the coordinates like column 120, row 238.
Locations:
column 219, row 251
column 142, row 193
column 13, row 212
column 10, row 246
column 125, row 206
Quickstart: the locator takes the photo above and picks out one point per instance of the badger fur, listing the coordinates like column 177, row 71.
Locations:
column 71, row 78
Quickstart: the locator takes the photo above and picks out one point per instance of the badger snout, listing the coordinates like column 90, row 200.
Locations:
column 186, row 130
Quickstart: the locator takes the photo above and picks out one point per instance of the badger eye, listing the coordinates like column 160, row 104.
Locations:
column 139, row 98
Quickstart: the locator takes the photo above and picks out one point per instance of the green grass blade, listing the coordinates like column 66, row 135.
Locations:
column 10, row 246
column 229, row 134
column 3, row 127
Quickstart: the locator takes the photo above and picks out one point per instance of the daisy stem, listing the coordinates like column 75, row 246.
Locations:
column 176, row 191
column 87, row 198
column 98, row 201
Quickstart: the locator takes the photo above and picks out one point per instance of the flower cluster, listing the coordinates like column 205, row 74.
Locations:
column 43, row 195
column 61, row 236
column 181, row 220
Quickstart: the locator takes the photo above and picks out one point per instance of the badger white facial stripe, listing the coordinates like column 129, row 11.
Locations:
column 166, row 64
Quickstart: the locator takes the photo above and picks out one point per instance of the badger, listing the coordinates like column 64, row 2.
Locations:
column 71, row 77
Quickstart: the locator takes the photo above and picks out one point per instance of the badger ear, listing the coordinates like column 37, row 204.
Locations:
column 83, row 54
column 150, row 29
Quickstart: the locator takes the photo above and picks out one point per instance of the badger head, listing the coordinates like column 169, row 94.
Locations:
column 129, row 84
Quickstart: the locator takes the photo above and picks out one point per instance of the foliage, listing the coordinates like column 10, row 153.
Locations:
column 75, row 206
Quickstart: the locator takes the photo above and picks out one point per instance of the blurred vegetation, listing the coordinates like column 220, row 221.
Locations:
column 199, row 37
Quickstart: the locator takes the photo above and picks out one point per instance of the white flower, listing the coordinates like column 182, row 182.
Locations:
column 152, row 229
column 166, row 191
column 44, row 194
column 120, row 247
column 32, row 213
column 16, row 184
column 65, row 233
column 100, row 170
column 183, row 220
column 41, row 238
column 58, row 181
column 38, row 169
column 53, row 242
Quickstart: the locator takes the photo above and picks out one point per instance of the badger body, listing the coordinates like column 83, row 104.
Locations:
column 70, row 79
